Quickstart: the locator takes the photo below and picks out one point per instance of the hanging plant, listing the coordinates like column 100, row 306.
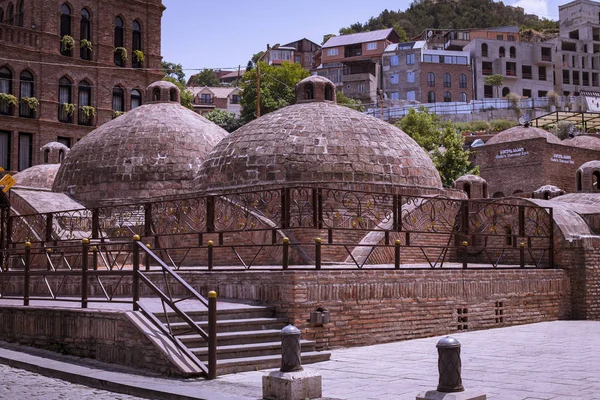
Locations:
column 122, row 52
column 68, row 109
column 117, row 114
column 86, row 44
column 8, row 99
column 67, row 42
column 139, row 56
column 88, row 111
column 32, row 102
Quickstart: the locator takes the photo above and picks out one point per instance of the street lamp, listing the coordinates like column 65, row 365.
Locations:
column 258, row 77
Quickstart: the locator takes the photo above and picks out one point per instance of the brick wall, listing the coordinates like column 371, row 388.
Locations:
column 439, row 70
column 107, row 336
column 38, row 51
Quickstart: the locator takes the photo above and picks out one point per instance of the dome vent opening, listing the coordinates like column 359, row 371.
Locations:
column 162, row 92
column 315, row 89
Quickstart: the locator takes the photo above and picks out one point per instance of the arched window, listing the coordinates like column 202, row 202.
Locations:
column 447, row 80
column 46, row 156
column 26, row 90
column 462, row 81
column 156, row 94
column 431, row 96
column 136, row 99
column 20, row 11
column 546, row 195
column 502, row 52
column 498, row 195
column 119, row 42
column 61, row 155
column 65, row 100
column 173, row 95
column 485, row 191
column 10, row 14
column 310, row 92
column 484, row 50
column 84, row 98
column 447, row 97
column 505, row 91
column 595, row 180
column 329, row 92
column 430, row 79
column 467, row 189
column 65, row 30
column 85, row 33
column 136, row 44
column 579, row 183
column 118, row 100
column 462, row 97
column 513, row 52
column 1, row 16
column 5, row 87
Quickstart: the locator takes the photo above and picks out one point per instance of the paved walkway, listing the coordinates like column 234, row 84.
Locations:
column 551, row 360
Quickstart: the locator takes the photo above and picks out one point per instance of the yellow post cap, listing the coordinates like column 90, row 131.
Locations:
column 137, row 238
column 148, row 245
column 522, row 244
column 28, row 244
column 286, row 240
column 465, row 243
column 85, row 241
column 318, row 240
column 212, row 294
column 210, row 243
column 398, row 242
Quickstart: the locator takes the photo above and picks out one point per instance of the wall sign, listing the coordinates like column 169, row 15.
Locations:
column 560, row 158
column 508, row 153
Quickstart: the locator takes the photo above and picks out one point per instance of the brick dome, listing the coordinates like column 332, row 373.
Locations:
column 591, row 142
column 39, row 176
column 521, row 133
column 154, row 150
column 318, row 142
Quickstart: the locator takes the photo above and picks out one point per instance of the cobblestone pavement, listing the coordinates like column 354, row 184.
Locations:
column 18, row 384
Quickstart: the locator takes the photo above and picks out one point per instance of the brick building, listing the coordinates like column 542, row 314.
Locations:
column 84, row 61
column 207, row 99
column 520, row 160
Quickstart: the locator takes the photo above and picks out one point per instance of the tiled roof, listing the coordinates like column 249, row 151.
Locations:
column 232, row 74
column 218, row 92
column 355, row 38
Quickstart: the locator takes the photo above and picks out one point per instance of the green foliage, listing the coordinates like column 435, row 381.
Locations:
column 496, row 125
column 327, row 37
column 342, row 100
column 207, row 77
column 68, row 108
column 175, row 71
column 10, row 99
column 463, row 14
column 562, row 130
column 67, row 42
column 224, row 119
column 495, row 80
column 186, row 98
column 277, row 84
column 86, row 44
column 117, row 114
column 32, row 102
column 139, row 56
column 500, row 125
column 122, row 52
column 252, row 62
column 88, row 111
column 443, row 143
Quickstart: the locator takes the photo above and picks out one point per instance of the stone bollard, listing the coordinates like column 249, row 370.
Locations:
column 292, row 381
column 450, row 385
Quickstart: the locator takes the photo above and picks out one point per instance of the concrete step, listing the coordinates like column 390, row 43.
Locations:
column 231, row 366
column 233, row 338
column 235, row 325
column 250, row 350
column 224, row 314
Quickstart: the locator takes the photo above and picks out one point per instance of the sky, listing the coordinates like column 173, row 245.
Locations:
column 224, row 35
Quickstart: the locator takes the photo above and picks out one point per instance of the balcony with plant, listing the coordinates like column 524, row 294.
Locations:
column 29, row 106
column 7, row 102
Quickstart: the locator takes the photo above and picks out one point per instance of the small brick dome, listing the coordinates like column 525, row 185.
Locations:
column 154, row 150
column 474, row 186
column 591, row 142
column 521, row 133
column 318, row 142
column 39, row 176
column 587, row 178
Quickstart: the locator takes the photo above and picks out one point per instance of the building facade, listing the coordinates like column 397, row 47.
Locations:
column 68, row 67
column 207, row 99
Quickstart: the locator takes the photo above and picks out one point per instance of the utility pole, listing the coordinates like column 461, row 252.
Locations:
column 269, row 48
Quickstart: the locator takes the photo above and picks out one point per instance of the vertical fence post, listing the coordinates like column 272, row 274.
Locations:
column 397, row 254
column 320, row 207
column 136, row 270
column 85, row 245
column 315, row 207
column 522, row 254
column 210, row 254
column 210, row 214
column 148, row 258
column 286, row 249
column 147, row 219
column 395, row 212
column 212, row 334
column 48, row 227
column 9, row 226
column 551, row 234
column 95, row 223
column 318, row 242
column 95, row 258
column 285, row 208
column 465, row 246
column 26, row 276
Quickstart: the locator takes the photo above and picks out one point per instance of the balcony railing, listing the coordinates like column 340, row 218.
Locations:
column 63, row 115
column 5, row 108
column 83, row 119
column 511, row 73
column 25, row 111
column 546, row 58
column 487, row 72
column 525, row 75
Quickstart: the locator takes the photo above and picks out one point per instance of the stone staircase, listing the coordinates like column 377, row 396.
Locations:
column 248, row 339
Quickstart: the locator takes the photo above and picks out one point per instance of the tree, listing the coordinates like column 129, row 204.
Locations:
column 207, row 77
column 443, row 143
column 495, row 80
column 185, row 96
column 252, row 62
column 277, row 88
column 224, row 119
column 174, row 71
column 327, row 37
column 342, row 100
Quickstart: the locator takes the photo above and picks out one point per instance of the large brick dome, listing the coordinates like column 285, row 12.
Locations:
column 154, row 150
column 318, row 141
column 522, row 133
